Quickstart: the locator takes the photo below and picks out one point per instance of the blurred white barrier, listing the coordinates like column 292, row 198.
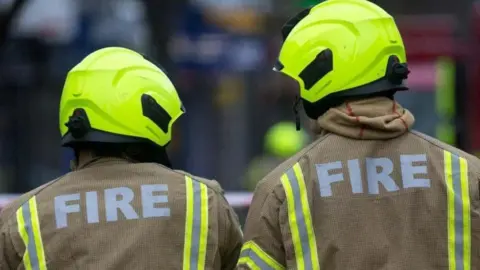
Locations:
column 6, row 198
column 239, row 199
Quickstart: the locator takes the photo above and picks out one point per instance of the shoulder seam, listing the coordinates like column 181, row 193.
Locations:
column 194, row 178
column 293, row 160
column 425, row 139
column 170, row 169
column 433, row 142
column 306, row 150
column 33, row 195
column 459, row 153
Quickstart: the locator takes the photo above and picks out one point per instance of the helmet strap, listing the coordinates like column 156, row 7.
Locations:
column 295, row 112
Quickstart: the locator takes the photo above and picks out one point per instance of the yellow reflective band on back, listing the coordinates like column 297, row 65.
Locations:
column 300, row 219
column 467, row 238
column 37, row 233
column 29, row 230
column 458, row 202
column 196, row 225
column 312, row 242
column 292, row 220
column 204, row 228
column 255, row 258
column 450, row 210
column 188, row 222
column 24, row 235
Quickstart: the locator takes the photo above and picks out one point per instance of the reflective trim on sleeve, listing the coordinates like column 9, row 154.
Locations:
column 459, row 227
column 196, row 225
column 300, row 219
column 255, row 258
column 29, row 230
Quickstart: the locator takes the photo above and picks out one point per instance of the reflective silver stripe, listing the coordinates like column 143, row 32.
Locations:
column 196, row 225
column 459, row 223
column 31, row 246
column 256, row 259
column 248, row 253
column 302, row 226
column 457, row 189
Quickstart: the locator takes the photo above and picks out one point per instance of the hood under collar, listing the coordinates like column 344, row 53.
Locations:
column 376, row 118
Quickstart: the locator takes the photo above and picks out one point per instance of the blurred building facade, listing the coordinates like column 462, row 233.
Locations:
column 218, row 53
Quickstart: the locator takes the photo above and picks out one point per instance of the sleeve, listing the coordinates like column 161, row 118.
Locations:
column 263, row 247
column 7, row 250
column 233, row 240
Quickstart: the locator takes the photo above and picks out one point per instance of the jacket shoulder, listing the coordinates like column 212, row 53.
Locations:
column 443, row 146
column 11, row 208
column 211, row 184
column 272, row 180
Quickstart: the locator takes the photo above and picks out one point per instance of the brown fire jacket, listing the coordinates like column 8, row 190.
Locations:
column 112, row 214
column 368, row 194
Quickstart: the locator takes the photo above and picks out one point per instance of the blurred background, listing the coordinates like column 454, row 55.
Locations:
column 219, row 54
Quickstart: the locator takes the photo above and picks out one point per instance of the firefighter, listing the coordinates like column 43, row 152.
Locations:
column 369, row 193
column 281, row 142
column 122, row 206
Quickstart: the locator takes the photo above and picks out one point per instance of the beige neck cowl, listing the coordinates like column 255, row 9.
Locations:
column 368, row 119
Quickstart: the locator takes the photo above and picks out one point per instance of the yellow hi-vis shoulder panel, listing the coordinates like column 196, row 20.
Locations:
column 196, row 225
column 459, row 227
column 29, row 230
column 300, row 219
column 255, row 258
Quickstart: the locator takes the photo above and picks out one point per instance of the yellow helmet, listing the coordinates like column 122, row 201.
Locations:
column 115, row 95
column 283, row 139
column 343, row 48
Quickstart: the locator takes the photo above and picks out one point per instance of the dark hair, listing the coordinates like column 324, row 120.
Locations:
column 137, row 152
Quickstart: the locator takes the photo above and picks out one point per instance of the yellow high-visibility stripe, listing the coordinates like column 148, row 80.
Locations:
column 312, row 242
column 29, row 230
column 255, row 257
column 450, row 210
column 467, row 238
column 292, row 220
column 458, row 209
column 196, row 225
column 249, row 262
column 188, row 223
column 37, row 234
column 204, row 228
column 300, row 219
column 24, row 235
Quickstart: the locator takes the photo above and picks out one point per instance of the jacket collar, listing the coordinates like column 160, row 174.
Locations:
column 367, row 119
column 97, row 162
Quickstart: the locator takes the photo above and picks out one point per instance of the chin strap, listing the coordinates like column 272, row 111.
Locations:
column 295, row 111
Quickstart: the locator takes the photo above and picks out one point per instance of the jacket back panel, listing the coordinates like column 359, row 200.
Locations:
column 121, row 216
column 390, row 204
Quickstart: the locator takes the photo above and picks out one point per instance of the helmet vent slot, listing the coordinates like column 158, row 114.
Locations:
column 153, row 111
column 317, row 69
